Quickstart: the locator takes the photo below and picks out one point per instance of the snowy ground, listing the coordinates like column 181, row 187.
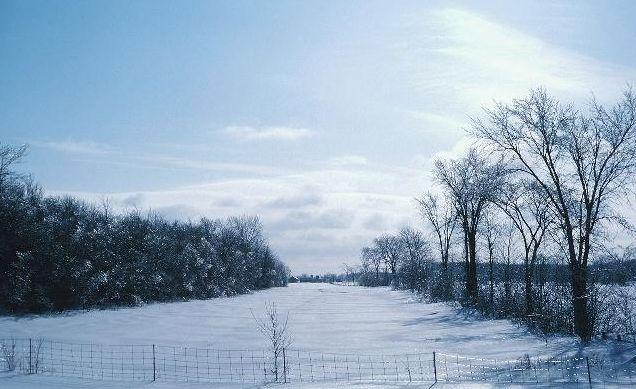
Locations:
column 322, row 317
column 29, row 382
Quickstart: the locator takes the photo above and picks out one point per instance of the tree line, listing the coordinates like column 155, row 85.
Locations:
column 59, row 253
column 521, row 226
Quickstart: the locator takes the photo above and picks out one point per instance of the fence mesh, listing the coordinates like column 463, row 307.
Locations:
column 178, row 363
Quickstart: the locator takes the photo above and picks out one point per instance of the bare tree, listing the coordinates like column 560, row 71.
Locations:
column 472, row 184
column 371, row 257
column 491, row 232
column 9, row 156
column 531, row 217
column 274, row 328
column 390, row 249
column 581, row 162
column 350, row 272
column 416, row 253
column 443, row 220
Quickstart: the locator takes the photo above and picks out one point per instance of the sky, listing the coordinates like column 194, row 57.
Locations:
column 322, row 117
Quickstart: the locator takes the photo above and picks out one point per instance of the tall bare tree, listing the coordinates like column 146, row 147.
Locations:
column 441, row 216
column 472, row 184
column 531, row 217
column 443, row 220
column 491, row 231
column 373, row 259
column 416, row 254
column 582, row 162
column 390, row 248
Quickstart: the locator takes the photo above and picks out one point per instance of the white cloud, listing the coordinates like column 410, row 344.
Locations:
column 347, row 160
column 432, row 122
column 153, row 160
column 203, row 165
column 248, row 133
column 74, row 147
column 486, row 61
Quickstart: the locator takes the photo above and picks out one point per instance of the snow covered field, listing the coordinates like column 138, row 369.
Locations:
column 322, row 318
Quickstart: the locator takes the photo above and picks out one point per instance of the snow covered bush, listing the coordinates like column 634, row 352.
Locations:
column 8, row 349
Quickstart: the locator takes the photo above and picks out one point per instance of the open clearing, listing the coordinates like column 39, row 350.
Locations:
column 322, row 317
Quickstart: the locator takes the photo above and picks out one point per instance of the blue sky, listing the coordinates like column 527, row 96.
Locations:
column 322, row 117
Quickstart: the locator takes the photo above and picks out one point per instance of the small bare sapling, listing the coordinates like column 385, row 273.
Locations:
column 274, row 327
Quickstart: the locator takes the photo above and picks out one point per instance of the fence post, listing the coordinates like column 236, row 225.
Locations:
column 434, row 366
column 154, row 366
column 30, row 357
column 589, row 376
column 284, row 366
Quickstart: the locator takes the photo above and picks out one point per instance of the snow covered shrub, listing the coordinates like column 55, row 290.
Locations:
column 8, row 354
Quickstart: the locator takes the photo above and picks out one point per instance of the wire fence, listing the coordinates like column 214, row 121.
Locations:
column 176, row 363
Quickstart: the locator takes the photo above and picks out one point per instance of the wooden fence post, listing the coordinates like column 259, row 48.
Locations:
column 30, row 357
column 434, row 366
column 589, row 376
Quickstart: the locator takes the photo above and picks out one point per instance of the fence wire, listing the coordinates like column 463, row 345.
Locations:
column 179, row 363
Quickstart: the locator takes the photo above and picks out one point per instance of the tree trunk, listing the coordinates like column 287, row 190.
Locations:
column 527, row 275
column 446, row 279
column 471, row 276
column 528, row 291
column 582, row 325
column 578, row 274
column 466, row 265
column 492, row 284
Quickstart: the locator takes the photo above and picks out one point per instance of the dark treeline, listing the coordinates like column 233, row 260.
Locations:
column 547, row 271
column 59, row 253
column 328, row 278
column 523, row 226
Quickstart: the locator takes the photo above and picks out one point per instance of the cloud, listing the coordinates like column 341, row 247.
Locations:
column 132, row 201
column 157, row 160
column 248, row 133
column 347, row 160
column 484, row 60
column 139, row 158
column 375, row 222
column 228, row 202
column 178, row 212
column 324, row 219
column 434, row 122
column 75, row 147
column 297, row 200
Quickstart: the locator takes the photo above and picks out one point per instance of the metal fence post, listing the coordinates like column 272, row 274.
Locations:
column 154, row 366
column 434, row 366
column 30, row 357
column 589, row 376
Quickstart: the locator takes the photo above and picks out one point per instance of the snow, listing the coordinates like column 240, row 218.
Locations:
column 322, row 317
column 30, row 382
